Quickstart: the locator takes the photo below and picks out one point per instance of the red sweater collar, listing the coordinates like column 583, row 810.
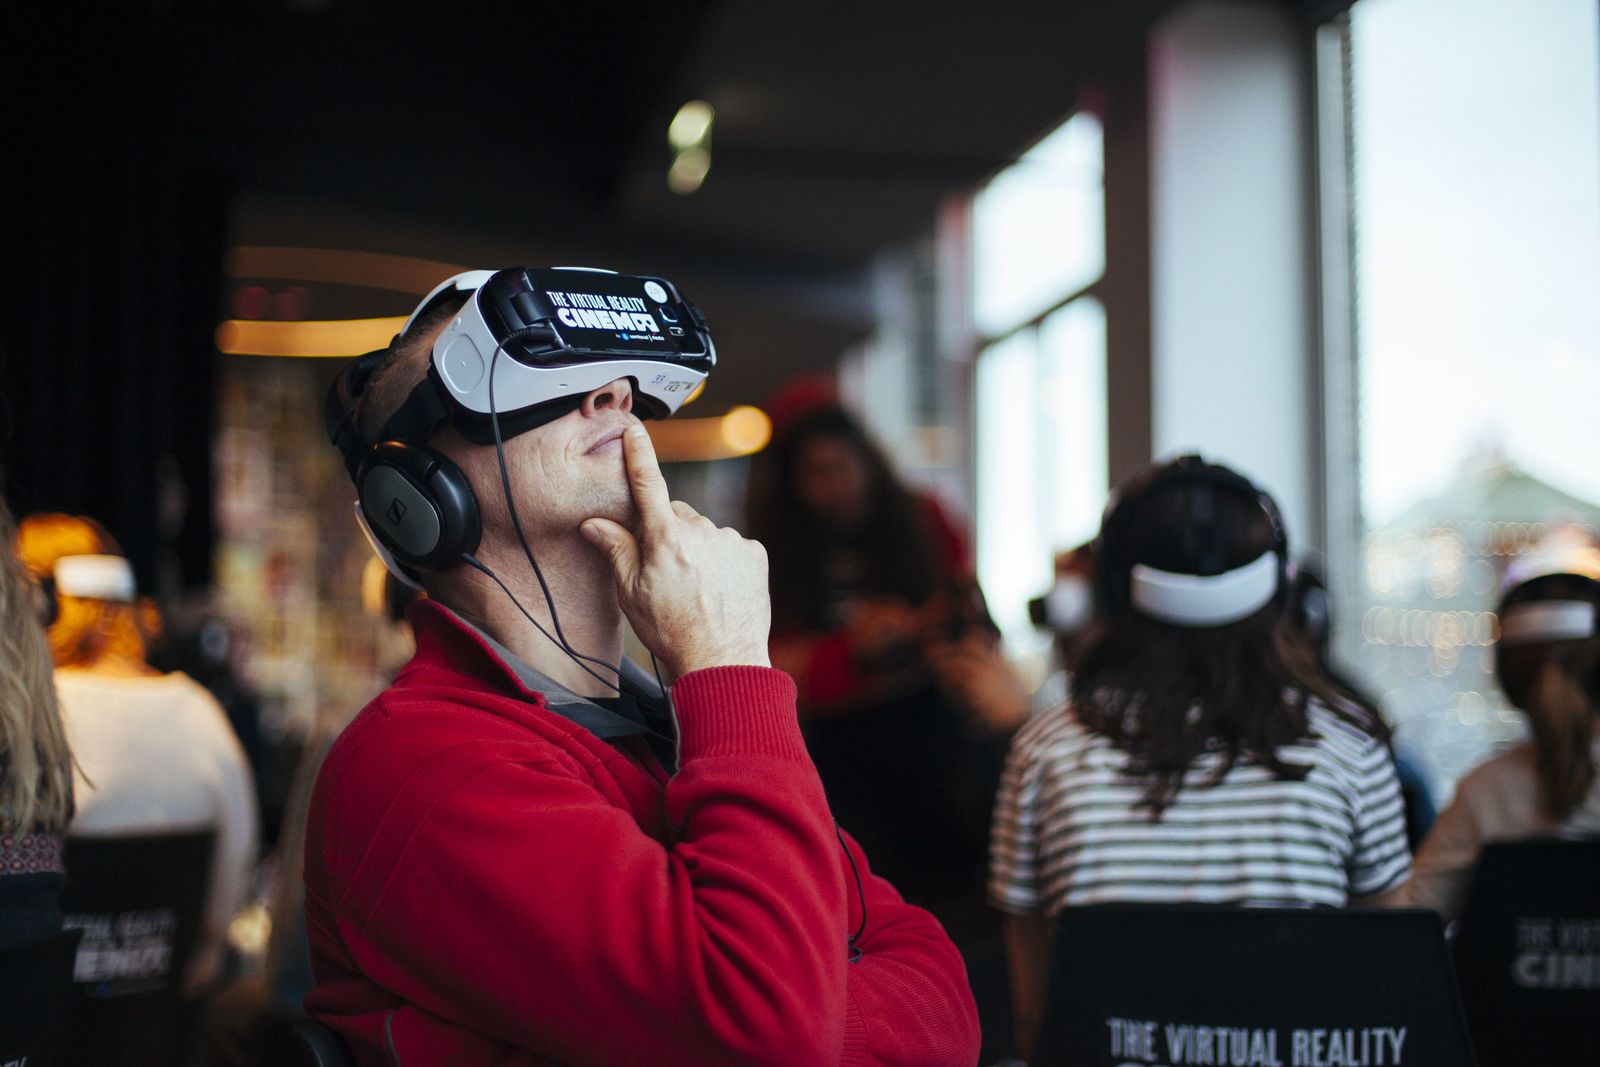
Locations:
column 450, row 644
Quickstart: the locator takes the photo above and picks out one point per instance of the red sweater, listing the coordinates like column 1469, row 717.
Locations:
column 489, row 883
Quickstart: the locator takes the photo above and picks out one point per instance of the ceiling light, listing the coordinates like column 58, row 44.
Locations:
column 691, row 126
column 321, row 337
column 742, row 431
column 688, row 171
column 746, row 429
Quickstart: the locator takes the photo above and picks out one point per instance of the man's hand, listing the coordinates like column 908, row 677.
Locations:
column 695, row 594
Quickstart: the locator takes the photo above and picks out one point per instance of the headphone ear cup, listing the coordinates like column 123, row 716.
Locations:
column 419, row 505
column 49, row 602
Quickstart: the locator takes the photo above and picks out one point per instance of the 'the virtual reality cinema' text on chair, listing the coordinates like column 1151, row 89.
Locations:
column 138, row 902
column 1528, row 953
column 1168, row 984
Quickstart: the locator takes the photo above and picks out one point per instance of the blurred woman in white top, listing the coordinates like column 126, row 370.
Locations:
column 1548, row 660
column 154, row 752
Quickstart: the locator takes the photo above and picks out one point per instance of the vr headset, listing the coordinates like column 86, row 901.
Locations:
column 525, row 349
column 1195, row 601
column 553, row 335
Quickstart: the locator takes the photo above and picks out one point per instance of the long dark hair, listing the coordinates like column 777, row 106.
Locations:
column 1557, row 683
column 898, row 555
column 1167, row 694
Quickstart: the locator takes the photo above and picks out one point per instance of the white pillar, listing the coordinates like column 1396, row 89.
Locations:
column 1233, row 367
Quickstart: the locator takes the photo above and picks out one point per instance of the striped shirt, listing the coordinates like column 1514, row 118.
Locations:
column 1068, row 829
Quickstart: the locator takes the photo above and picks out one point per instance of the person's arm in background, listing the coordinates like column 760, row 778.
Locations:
column 1380, row 859
column 1015, row 888
column 1028, row 954
column 827, row 666
column 976, row 674
column 1442, row 871
column 233, row 858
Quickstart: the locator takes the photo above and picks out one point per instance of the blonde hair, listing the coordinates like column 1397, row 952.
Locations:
column 35, row 763
column 85, row 631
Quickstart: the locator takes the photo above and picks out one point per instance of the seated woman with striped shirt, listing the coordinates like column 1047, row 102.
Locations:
column 1204, row 757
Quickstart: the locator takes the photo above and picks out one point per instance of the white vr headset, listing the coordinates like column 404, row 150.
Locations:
column 1197, row 600
column 96, row 577
column 1535, row 621
column 553, row 335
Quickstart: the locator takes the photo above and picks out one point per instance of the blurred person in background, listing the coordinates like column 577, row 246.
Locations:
column 1067, row 613
column 1310, row 610
column 878, row 618
column 198, row 640
column 251, row 1022
column 1204, row 756
column 154, row 751
column 905, row 698
column 1547, row 657
column 35, row 764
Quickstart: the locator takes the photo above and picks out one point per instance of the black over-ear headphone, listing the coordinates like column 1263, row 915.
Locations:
column 1307, row 604
column 1112, row 552
column 417, row 504
column 49, row 601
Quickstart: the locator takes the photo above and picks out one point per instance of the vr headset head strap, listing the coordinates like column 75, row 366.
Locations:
column 339, row 410
column 424, row 411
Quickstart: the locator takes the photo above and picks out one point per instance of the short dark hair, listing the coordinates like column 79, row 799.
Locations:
column 402, row 369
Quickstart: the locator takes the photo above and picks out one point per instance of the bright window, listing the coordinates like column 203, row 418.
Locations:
column 1474, row 171
column 1038, row 228
column 1038, row 241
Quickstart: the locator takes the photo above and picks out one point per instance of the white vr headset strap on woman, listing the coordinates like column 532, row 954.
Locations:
column 96, row 577
column 1534, row 621
column 1205, row 600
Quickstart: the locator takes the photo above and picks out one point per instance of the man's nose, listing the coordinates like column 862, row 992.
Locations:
column 617, row 394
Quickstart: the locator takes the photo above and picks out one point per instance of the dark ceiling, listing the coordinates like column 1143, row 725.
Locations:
column 493, row 131
column 146, row 136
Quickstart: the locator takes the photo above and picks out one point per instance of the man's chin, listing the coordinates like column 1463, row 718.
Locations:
column 618, row 507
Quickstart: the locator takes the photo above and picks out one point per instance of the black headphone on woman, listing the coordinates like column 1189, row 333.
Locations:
column 1113, row 563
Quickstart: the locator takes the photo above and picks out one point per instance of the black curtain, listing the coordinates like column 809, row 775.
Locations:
column 112, row 246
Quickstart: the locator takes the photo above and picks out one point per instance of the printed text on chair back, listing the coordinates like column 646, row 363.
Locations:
column 1172, row 986
column 138, row 902
column 1528, row 953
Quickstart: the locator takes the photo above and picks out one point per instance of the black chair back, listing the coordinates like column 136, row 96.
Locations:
column 1528, row 953
column 138, row 902
column 35, row 987
column 1155, row 984
column 324, row 1048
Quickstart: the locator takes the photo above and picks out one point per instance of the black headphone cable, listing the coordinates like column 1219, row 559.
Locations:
column 559, row 639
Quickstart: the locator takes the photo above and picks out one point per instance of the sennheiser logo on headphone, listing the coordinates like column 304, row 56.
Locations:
column 396, row 512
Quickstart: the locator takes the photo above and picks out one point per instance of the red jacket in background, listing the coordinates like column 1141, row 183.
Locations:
column 488, row 882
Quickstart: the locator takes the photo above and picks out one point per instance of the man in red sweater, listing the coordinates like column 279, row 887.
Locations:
column 514, row 855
